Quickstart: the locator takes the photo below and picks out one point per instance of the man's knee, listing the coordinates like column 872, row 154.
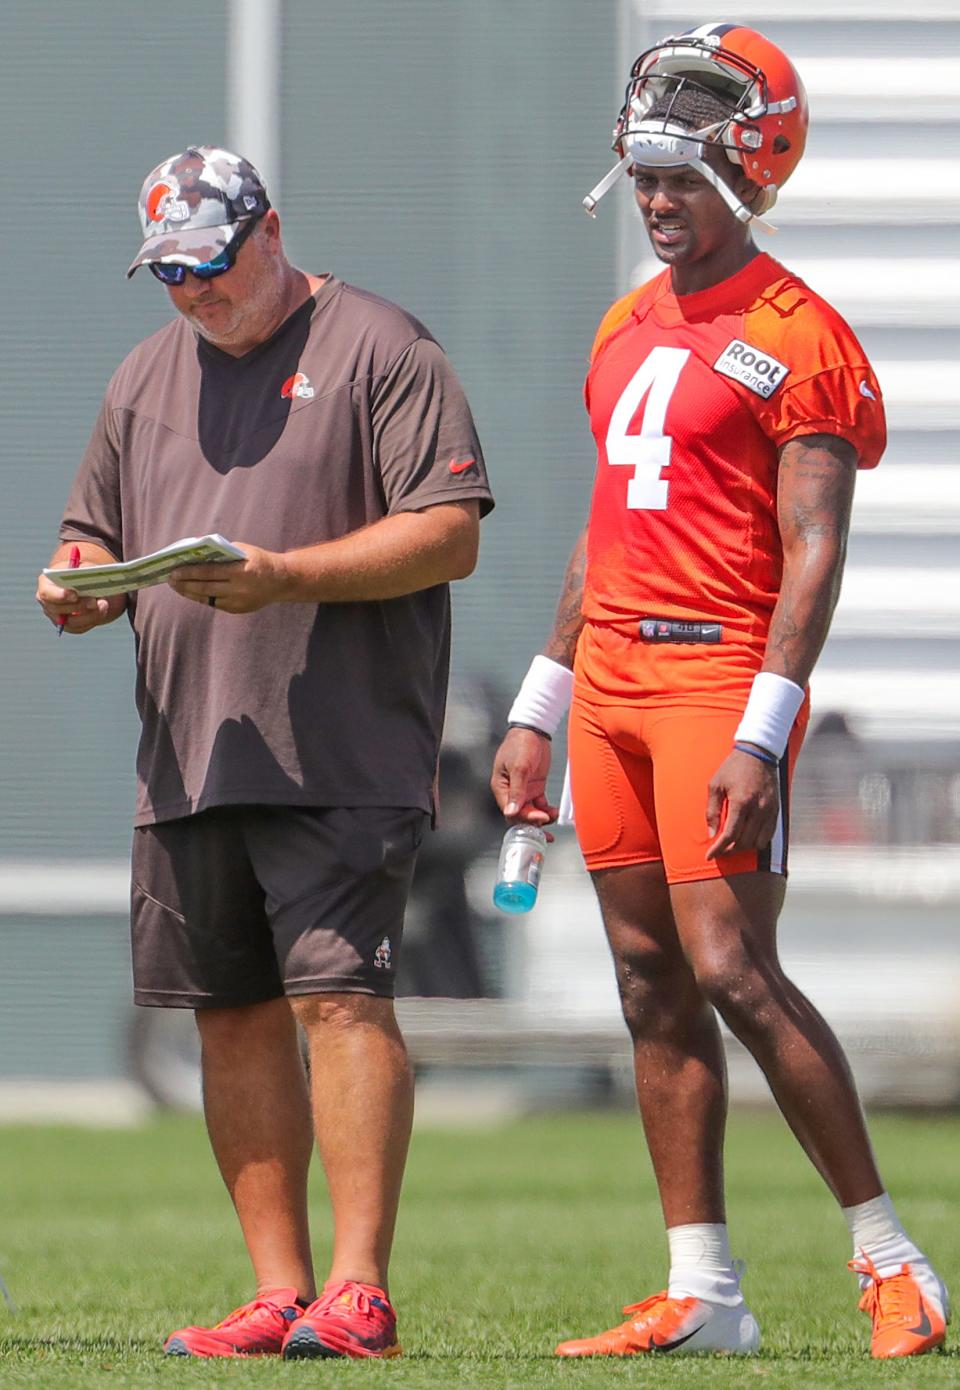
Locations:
column 742, row 989
column 229, row 1027
column 327, row 1012
column 655, row 991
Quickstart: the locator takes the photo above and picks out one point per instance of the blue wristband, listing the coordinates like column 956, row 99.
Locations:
column 518, row 724
column 761, row 754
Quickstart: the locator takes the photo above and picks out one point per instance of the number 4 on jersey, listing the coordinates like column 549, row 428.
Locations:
column 647, row 453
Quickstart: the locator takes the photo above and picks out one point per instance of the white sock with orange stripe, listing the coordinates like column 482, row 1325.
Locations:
column 876, row 1231
column 700, row 1264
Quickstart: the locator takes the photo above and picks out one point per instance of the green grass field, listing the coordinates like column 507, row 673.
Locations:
column 509, row 1239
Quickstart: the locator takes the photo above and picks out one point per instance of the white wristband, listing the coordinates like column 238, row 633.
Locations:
column 544, row 697
column 771, row 710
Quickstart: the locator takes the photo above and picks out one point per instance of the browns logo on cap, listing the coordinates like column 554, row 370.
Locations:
column 194, row 204
column 162, row 204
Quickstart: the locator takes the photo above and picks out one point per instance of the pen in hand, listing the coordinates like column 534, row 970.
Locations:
column 74, row 564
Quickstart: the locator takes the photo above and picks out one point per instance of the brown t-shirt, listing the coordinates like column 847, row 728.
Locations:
column 349, row 413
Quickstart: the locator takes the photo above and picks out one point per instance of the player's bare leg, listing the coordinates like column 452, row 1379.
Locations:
column 728, row 931
column 678, row 1052
column 681, row 1088
column 363, row 1107
column 257, row 1111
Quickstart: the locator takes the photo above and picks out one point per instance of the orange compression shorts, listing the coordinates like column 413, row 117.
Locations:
column 639, row 778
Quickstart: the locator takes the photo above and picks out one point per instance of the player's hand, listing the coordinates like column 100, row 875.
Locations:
column 521, row 766
column 742, row 804
column 81, row 614
column 239, row 586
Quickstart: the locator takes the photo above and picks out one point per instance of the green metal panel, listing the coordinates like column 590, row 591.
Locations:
column 65, row 1005
column 91, row 97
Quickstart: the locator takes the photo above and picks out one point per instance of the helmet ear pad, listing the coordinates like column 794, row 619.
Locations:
column 755, row 196
column 728, row 166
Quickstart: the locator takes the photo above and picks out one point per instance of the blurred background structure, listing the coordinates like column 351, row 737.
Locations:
column 436, row 152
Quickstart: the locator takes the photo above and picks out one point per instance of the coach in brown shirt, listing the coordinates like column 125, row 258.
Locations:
column 291, row 709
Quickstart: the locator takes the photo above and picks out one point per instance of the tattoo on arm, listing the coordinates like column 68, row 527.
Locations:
column 815, row 495
column 816, row 487
column 562, row 642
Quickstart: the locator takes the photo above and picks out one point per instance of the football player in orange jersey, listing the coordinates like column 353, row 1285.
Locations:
column 731, row 408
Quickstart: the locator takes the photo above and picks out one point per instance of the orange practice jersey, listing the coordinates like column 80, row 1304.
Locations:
column 690, row 400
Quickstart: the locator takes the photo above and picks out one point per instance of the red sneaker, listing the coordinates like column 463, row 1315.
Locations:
column 256, row 1329
column 348, row 1319
column 909, row 1310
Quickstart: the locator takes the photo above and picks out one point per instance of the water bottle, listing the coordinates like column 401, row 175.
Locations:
column 518, row 872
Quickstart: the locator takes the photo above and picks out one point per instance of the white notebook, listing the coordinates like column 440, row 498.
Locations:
column 98, row 581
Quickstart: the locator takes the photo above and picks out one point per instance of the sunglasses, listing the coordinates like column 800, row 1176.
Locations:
column 172, row 273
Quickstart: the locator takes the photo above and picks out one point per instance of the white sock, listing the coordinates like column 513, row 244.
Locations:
column 875, row 1230
column 700, row 1264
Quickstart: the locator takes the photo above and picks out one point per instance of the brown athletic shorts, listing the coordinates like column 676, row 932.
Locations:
column 241, row 904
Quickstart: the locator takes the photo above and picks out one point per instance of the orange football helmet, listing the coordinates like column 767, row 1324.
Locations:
column 765, row 113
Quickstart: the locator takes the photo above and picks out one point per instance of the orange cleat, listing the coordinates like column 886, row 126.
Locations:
column 256, row 1329
column 661, row 1324
column 348, row 1319
column 909, row 1310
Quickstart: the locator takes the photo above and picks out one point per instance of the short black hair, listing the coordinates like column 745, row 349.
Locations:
column 690, row 104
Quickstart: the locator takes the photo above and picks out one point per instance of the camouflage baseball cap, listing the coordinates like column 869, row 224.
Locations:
column 194, row 204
